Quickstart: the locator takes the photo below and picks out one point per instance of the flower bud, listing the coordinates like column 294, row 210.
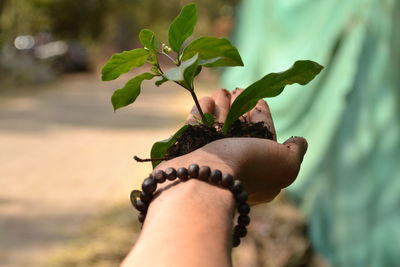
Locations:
column 166, row 48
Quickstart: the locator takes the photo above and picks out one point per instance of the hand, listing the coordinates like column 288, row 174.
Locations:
column 264, row 166
column 195, row 216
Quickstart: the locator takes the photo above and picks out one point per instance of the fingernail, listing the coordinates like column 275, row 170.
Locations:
column 225, row 91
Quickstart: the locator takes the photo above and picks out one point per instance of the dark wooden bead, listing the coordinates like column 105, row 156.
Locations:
column 170, row 173
column 149, row 185
column 235, row 241
column 204, row 173
column 243, row 209
column 141, row 206
column 160, row 176
column 237, row 187
column 182, row 173
column 227, row 180
column 193, row 170
column 243, row 220
column 240, row 231
column 215, row 176
column 146, row 197
column 242, row 196
column 141, row 217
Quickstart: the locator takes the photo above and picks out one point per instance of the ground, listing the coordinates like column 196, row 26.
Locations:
column 66, row 156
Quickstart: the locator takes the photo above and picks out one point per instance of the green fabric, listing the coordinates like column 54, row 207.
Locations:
column 349, row 185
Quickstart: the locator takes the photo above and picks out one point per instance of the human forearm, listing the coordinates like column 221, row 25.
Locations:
column 188, row 224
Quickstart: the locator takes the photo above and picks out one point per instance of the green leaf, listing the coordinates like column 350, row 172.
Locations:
column 148, row 40
column 184, row 73
column 128, row 94
column 161, row 81
column 160, row 148
column 302, row 72
column 190, row 72
column 198, row 70
column 209, row 119
column 123, row 62
column 213, row 52
column 182, row 27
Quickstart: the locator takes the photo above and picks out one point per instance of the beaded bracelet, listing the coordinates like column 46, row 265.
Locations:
column 141, row 199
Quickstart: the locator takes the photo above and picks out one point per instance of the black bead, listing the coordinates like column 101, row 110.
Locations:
column 243, row 220
column 140, row 205
column 235, row 241
column 182, row 173
column 237, row 187
column 160, row 176
column 141, row 217
column 149, row 186
column 240, row 231
column 193, row 170
column 146, row 197
column 241, row 197
column 243, row 209
column 215, row 176
column 227, row 180
column 204, row 173
column 170, row 173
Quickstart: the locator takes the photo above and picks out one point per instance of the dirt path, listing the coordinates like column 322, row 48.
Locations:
column 64, row 155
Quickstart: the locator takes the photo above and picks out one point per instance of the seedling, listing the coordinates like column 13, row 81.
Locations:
column 189, row 57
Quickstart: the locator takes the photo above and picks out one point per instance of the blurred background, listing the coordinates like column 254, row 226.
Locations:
column 66, row 165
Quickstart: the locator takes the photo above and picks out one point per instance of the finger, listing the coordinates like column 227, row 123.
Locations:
column 207, row 106
column 262, row 113
column 263, row 196
column 235, row 93
column 292, row 152
column 298, row 145
column 222, row 99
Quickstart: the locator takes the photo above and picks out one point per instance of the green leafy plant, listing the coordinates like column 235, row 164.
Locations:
column 189, row 58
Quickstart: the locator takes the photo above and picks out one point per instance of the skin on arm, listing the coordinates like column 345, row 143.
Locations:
column 190, row 223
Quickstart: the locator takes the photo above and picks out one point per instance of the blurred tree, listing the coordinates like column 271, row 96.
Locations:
column 116, row 21
column 103, row 26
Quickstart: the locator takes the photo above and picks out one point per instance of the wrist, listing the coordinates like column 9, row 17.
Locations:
column 198, row 195
column 203, row 157
column 189, row 220
column 194, row 212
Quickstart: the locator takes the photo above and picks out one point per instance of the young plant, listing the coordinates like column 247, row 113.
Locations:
column 189, row 57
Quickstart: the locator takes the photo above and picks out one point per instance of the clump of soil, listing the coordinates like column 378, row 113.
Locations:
column 197, row 136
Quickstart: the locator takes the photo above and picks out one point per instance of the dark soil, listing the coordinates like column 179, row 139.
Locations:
column 197, row 136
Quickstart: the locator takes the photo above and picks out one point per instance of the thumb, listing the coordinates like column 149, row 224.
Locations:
column 298, row 145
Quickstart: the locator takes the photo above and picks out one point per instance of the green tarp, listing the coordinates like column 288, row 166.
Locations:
column 349, row 185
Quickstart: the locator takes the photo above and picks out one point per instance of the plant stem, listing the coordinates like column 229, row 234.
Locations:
column 190, row 89
column 151, row 159
column 170, row 58
column 159, row 68
column 197, row 104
